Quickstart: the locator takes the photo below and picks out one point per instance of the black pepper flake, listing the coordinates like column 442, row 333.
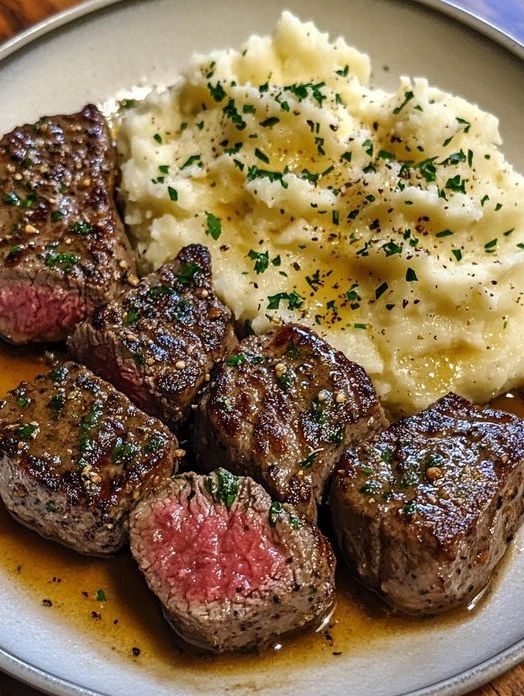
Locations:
column 47, row 603
column 135, row 651
column 328, row 638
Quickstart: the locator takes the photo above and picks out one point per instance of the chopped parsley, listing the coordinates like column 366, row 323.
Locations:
column 308, row 462
column 466, row 124
column 261, row 155
column 59, row 373
column 124, row 452
column 428, row 169
column 381, row 290
column 26, row 431
column 319, row 142
column 193, row 159
column 56, row 402
column 224, row 487
column 10, row 198
column 286, row 379
column 131, row 317
column 188, row 273
column 231, row 112
column 270, row 122
column 275, row 512
column 213, row 226
column 294, row 300
column 217, row 91
column 235, row 360
column 456, row 184
column 368, row 147
column 301, row 90
column 261, row 259
column 391, row 248
column 254, row 172
column 155, row 442
column 408, row 96
column 65, row 262
column 82, row 227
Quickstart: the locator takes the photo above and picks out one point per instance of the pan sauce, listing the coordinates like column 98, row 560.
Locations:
column 108, row 599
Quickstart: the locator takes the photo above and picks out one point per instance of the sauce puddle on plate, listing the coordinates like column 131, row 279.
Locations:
column 109, row 601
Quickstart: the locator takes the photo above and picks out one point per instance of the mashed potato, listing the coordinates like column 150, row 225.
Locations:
column 390, row 223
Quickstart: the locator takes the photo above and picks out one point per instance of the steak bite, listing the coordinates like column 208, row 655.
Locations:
column 426, row 509
column 76, row 456
column 281, row 409
column 63, row 248
column 158, row 341
column 232, row 569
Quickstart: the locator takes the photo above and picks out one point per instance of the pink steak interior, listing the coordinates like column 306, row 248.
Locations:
column 39, row 312
column 207, row 553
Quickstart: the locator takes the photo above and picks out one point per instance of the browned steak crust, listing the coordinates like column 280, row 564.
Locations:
column 158, row 341
column 281, row 409
column 426, row 509
column 76, row 456
column 60, row 234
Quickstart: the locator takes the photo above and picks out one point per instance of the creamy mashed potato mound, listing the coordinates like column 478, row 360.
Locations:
column 390, row 223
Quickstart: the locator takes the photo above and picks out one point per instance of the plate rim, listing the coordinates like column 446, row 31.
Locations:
column 456, row 685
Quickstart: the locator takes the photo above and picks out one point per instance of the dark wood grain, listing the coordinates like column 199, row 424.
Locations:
column 16, row 15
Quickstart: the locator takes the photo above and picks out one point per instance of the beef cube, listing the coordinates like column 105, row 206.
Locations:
column 426, row 509
column 158, row 341
column 281, row 409
column 232, row 569
column 63, row 248
column 76, row 456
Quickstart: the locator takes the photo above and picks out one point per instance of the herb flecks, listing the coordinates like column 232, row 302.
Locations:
column 223, row 487
column 408, row 96
column 213, row 226
column 294, row 300
column 254, row 172
column 188, row 273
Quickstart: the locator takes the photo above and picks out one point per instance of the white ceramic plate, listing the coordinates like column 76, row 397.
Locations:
column 93, row 51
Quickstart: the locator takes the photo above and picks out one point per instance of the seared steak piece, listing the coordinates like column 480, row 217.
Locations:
column 281, row 409
column 158, row 341
column 426, row 509
column 63, row 249
column 232, row 569
column 76, row 456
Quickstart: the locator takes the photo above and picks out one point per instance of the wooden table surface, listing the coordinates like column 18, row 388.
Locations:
column 16, row 15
